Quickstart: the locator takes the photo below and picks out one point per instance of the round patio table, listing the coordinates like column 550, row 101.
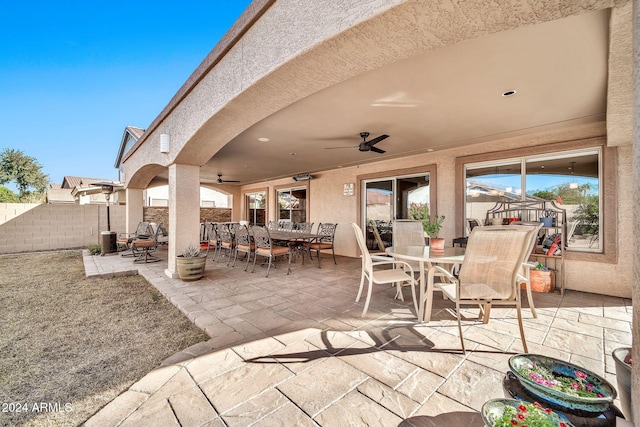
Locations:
column 425, row 257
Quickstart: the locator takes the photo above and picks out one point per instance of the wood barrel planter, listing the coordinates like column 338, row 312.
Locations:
column 191, row 268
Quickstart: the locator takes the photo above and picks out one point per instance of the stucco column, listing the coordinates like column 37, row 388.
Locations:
column 135, row 208
column 635, row 334
column 184, row 211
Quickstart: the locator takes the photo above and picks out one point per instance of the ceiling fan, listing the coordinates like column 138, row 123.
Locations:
column 366, row 145
column 221, row 181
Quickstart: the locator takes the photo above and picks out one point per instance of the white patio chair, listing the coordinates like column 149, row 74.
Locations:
column 379, row 276
column 491, row 272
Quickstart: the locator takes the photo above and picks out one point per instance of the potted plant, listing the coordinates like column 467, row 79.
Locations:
column 432, row 228
column 191, row 263
column 542, row 279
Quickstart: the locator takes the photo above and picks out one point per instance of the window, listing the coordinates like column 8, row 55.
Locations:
column 292, row 204
column 571, row 179
column 255, row 206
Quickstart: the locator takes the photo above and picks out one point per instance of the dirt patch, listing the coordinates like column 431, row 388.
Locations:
column 69, row 345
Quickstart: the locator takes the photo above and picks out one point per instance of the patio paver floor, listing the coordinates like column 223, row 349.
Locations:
column 293, row 350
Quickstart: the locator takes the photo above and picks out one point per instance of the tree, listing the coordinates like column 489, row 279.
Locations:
column 26, row 172
column 8, row 196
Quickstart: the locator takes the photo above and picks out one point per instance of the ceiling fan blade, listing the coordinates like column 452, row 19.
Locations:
column 377, row 150
column 225, row 180
column 345, row 146
column 374, row 141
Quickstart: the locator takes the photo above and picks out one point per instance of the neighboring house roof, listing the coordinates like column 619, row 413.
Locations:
column 72, row 182
column 59, row 195
column 130, row 136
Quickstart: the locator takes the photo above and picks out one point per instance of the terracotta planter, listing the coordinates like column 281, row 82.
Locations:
column 191, row 268
column 436, row 245
column 542, row 281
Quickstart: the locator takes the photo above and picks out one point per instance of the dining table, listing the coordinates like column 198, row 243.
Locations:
column 295, row 236
column 425, row 258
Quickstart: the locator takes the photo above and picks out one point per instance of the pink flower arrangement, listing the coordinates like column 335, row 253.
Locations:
column 577, row 386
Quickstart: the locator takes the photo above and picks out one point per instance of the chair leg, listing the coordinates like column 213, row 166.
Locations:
column 334, row 255
column 366, row 303
column 289, row 266
column 464, row 351
column 530, row 299
column 269, row 266
column 255, row 258
column 413, row 294
column 248, row 259
column 524, row 342
column 399, row 291
column 361, row 286
column 487, row 312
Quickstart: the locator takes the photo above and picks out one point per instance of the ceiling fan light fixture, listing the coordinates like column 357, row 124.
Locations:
column 263, row 139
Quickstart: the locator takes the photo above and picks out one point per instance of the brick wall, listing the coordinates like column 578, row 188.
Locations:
column 160, row 214
column 49, row 227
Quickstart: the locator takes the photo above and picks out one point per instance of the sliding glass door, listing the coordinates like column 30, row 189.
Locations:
column 386, row 199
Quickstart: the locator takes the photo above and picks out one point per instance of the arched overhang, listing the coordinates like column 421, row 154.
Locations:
column 273, row 66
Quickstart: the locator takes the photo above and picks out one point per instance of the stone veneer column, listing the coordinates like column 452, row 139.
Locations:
column 135, row 209
column 184, row 211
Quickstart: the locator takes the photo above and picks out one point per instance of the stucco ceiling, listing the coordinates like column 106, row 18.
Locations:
column 444, row 98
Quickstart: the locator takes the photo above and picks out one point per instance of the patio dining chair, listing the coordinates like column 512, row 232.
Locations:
column 265, row 248
column 490, row 274
column 370, row 271
column 226, row 235
column 244, row 244
column 213, row 240
column 143, row 231
column 144, row 247
column 328, row 232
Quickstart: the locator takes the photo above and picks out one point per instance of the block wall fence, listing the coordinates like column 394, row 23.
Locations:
column 45, row 227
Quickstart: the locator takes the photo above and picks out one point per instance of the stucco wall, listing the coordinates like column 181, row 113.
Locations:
column 48, row 227
column 328, row 204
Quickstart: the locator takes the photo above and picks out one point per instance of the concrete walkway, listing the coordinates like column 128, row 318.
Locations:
column 292, row 350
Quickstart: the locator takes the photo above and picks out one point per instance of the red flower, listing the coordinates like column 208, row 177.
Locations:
column 514, row 422
column 581, row 374
column 521, row 417
column 561, row 424
column 522, row 408
column 548, row 411
column 537, row 404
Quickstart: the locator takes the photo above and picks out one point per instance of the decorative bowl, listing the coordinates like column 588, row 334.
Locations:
column 562, row 383
column 506, row 412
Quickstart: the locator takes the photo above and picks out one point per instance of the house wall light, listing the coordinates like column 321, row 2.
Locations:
column 306, row 177
column 165, row 143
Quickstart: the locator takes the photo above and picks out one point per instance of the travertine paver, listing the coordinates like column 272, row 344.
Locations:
column 249, row 380
column 359, row 410
column 191, row 407
column 316, row 388
column 294, row 350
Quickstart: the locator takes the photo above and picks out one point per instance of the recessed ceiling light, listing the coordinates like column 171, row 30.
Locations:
column 263, row 139
column 509, row 93
column 293, row 153
column 429, row 150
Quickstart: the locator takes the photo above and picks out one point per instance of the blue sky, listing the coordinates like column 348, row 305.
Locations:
column 73, row 74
